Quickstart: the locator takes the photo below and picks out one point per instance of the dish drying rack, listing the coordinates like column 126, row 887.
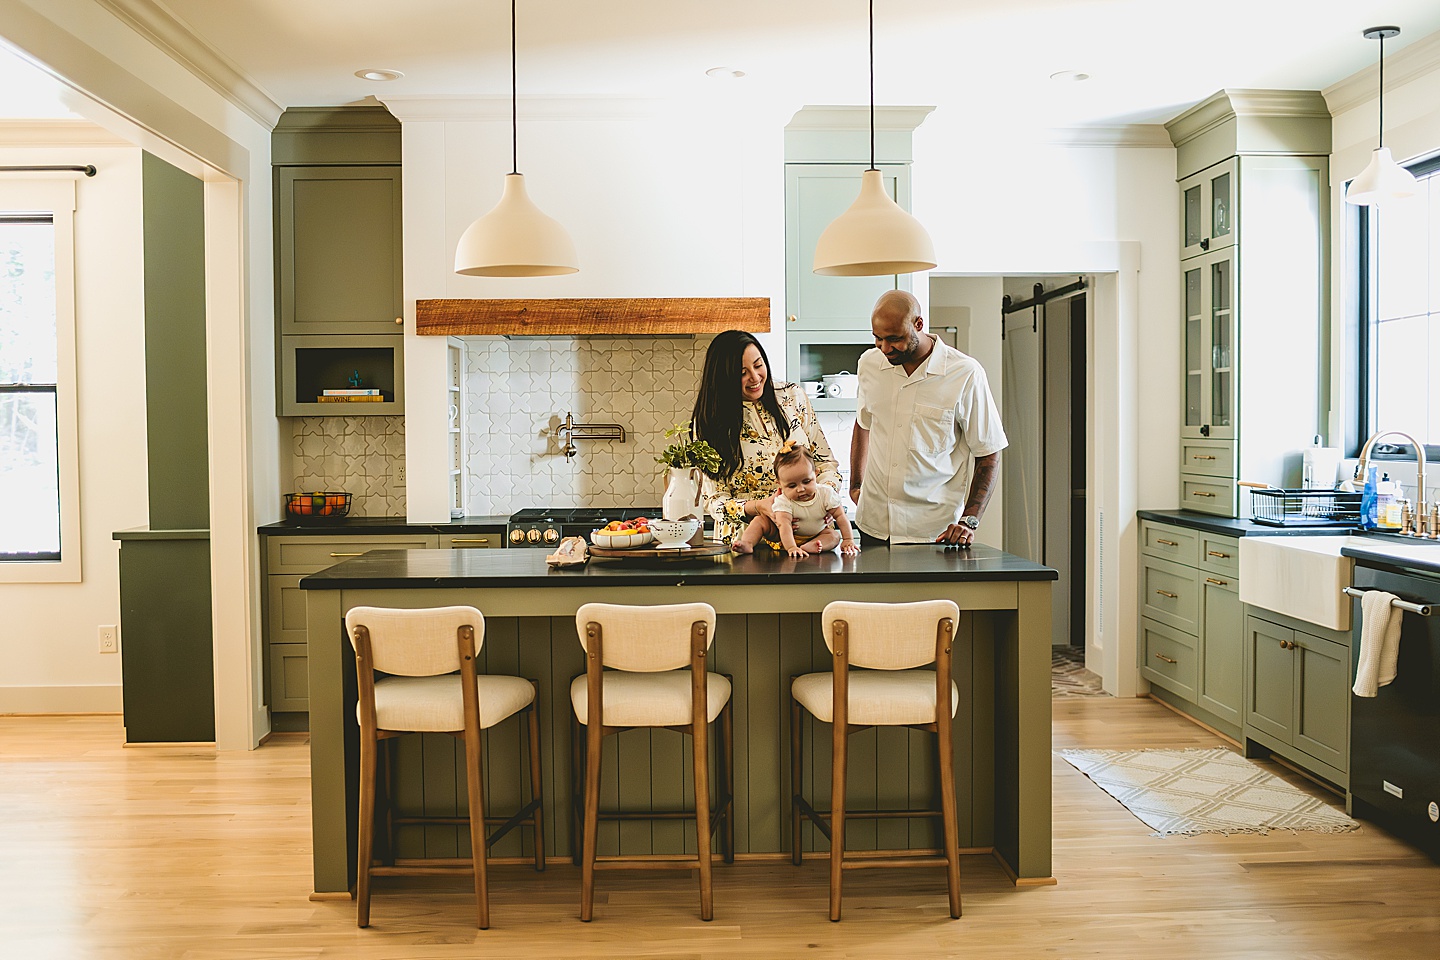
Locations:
column 1278, row 507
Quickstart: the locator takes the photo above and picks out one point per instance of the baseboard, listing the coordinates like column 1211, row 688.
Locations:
column 98, row 698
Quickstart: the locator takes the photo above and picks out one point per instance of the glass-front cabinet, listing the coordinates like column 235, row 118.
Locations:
column 1207, row 209
column 1209, row 354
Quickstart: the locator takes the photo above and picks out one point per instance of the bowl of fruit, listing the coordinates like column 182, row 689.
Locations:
column 619, row 534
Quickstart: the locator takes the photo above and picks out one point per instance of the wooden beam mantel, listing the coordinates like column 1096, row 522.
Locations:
column 622, row 316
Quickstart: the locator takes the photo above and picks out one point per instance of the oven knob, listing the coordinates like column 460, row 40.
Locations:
column 532, row 535
column 517, row 536
column 552, row 535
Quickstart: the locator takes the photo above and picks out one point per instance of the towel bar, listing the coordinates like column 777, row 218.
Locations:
column 1424, row 609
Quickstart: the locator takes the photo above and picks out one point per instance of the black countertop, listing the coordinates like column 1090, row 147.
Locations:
column 1395, row 551
column 1234, row 527
column 398, row 569
column 352, row 526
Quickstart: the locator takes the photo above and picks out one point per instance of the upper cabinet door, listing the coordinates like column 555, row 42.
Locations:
column 1207, row 209
column 338, row 257
column 815, row 194
column 1208, row 353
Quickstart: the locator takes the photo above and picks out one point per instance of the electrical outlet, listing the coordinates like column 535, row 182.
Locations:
column 399, row 473
column 109, row 639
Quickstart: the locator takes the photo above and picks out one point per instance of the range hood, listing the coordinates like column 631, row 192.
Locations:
column 592, row 317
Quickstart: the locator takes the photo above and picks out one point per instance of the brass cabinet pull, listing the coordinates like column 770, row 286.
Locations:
column 1218, row 583
column 1201, row 456
column 1201, row 493
column 1168, row 543
column 1161, row 656
column 473, row 540
column 1288, row 644
column 1166, row 593
column 1222, row 556
column 399, row 319
column 793, row 318
column 346, row 554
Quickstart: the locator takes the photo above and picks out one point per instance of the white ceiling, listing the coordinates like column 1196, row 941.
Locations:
column 1148, row 59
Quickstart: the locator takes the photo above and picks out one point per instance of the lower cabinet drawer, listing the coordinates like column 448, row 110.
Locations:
column 1169, row 594
column 1169, row 543
column 473, row 541
column 1169, row 658
column 1220, row 554
column 289, row 677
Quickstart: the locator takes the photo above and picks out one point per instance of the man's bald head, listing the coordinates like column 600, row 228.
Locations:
column 897, row 305
column 897, row 326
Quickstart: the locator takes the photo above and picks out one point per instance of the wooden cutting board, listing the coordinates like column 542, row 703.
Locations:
column 708, row 548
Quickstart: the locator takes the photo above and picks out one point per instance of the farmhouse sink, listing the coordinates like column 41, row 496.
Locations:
column 1302, row 577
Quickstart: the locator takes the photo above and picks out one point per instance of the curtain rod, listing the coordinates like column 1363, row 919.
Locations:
column 88, row 169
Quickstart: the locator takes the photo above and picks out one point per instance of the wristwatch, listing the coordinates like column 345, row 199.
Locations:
column 972, row 522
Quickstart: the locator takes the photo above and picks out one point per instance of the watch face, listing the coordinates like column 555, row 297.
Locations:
column 972, row 522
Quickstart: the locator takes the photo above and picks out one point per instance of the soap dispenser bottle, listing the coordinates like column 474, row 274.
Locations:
column 1367, row 501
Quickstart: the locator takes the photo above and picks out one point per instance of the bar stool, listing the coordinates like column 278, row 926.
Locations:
column 430, row 685
column 645, row 649
column 887, row 640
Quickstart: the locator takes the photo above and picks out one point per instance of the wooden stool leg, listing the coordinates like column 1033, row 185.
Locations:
column 699, row 745
column 535, row 785
column 577, row 789
column 796, row 780
column 366, row 851
column 592, row 820
column 475, row 790
column 947, row 806
column 727, row 758
column 839, row 754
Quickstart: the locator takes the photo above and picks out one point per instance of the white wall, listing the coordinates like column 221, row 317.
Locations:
column 47, row 635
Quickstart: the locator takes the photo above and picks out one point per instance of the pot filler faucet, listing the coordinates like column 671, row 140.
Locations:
column 570, row 431
column 1424, row 522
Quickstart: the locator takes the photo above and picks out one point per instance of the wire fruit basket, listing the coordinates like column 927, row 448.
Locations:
column 1305, row 508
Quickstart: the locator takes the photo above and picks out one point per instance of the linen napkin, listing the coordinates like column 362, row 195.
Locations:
column 1379, row 642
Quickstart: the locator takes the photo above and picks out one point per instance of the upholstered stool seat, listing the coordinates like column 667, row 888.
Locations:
column 427, row 683
column 877, row 651
column 646, row 666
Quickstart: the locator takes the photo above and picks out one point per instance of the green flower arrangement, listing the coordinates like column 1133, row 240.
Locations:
column 688, row 452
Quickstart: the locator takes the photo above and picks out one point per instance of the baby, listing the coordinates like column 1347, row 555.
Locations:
column 800, row 509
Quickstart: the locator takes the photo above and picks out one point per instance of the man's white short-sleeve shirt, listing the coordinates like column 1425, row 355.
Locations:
column 925, row 431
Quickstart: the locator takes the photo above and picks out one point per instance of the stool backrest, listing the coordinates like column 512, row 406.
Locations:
column 888, row 636
column 415, row 643
column 646, row 639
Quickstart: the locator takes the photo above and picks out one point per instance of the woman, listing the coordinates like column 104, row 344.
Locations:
column 746, row 417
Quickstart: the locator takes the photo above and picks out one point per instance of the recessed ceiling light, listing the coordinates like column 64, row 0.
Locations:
column 725, row 73
column 1069, row 76
column 379, row 75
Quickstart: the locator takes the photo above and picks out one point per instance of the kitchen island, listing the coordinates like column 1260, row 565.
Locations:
column 767, row 632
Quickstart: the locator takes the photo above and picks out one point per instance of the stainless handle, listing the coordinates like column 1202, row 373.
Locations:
column 347, row 554
column 1166, row 593
column 474, row 540
column 1161, row 656
column 1218, row 583
column 1423, row 609
column 1168, row 543
column 1222, row 556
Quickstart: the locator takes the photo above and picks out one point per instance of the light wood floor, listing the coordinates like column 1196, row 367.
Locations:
column 182, row 854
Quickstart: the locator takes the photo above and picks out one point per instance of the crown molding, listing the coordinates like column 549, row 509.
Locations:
column 1143, row 135
column 846, row 118
column 465, row 107
column 1231, row 102
column 1409, row 63
column 173, row 36
column 48, row 133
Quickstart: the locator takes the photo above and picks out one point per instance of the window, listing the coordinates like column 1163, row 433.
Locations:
column 29, row 443
column 1398, row 285
column 39, row 461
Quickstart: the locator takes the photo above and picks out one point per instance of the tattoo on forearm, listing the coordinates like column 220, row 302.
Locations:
column 982, row 483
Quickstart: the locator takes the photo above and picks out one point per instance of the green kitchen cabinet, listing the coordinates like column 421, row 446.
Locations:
column 1192, row 622
column 1297, row 693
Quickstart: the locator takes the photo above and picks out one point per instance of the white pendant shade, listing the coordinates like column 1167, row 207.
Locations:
column 874, row 237
column 1382, row 179
column 515, row 240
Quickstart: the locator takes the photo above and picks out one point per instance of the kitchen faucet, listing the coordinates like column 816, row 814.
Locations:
column 1421, row 517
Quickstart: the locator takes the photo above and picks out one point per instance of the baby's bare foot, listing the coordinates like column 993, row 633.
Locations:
column 741, row 547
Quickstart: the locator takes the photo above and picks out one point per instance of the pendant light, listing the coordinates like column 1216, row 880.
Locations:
column 515, row 239
column 1382, row 179
column 874, row 237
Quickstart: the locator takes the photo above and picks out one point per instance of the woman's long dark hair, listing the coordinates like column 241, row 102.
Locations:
column 719, row 407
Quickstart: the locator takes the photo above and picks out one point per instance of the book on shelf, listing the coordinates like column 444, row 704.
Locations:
column 366, row 398
column 352, row 392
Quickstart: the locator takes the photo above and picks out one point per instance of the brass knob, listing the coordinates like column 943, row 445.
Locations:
column 532, row 535
column 400, row 320
column 517, row 536
column 552, row 535
column 793, row 318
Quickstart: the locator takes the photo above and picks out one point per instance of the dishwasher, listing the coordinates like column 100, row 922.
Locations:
column 1395, row 736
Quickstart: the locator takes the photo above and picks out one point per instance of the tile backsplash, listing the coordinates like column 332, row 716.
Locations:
column 363, row 456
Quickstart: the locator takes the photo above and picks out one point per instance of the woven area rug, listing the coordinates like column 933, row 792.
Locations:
column 1188, row 792
column 1068, row 676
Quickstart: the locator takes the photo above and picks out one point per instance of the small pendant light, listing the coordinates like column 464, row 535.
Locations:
column 515, row 239
column 874, row 237
column 1382, row 179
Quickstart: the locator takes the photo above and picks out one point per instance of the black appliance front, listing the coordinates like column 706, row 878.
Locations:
column 1395, row 736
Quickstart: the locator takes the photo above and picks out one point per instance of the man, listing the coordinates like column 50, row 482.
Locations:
column 925, row 454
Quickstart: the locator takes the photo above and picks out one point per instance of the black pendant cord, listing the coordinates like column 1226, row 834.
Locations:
column 872, row 85
column 514, row 116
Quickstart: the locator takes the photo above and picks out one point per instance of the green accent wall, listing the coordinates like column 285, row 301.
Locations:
column 175, row 374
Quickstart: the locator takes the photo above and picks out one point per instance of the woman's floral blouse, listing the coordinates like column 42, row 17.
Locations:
column 760, row 441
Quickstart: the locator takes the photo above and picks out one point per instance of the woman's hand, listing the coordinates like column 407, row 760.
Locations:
column 762, row 508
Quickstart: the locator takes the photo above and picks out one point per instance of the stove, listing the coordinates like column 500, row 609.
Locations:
column 545, row 527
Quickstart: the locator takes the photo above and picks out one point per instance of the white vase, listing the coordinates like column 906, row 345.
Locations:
column 682, row 494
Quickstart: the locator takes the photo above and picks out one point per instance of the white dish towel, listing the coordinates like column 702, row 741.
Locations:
column 1379, row 642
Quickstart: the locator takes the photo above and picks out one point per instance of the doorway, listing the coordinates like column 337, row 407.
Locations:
column 1044, row 406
